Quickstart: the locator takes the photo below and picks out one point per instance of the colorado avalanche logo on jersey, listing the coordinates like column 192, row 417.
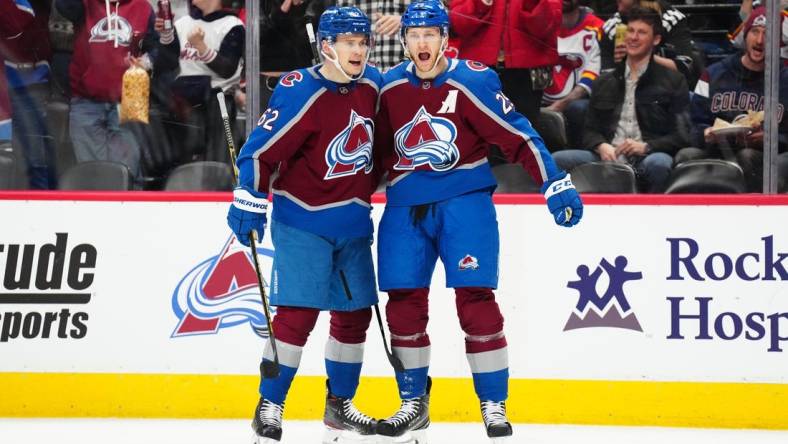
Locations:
column 351, row 150
column 427, row 140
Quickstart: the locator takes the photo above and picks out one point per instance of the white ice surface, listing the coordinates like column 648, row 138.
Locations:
column 111, row 431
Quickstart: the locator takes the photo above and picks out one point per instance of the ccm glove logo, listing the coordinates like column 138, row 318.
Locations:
column 559, row 186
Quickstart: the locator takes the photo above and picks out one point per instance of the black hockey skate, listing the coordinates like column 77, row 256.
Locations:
column 267, row 422
column 345, row 423
column 409, row 424
column 495, row 421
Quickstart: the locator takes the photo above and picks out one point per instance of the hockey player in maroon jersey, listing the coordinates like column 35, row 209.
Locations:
column 436, row 119
column 312, row 152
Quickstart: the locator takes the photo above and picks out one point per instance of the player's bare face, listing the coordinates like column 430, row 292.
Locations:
column 424, row 45
column 352, row 52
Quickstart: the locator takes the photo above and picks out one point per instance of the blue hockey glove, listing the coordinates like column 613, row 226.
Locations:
column 247, row 213
column 563, row 200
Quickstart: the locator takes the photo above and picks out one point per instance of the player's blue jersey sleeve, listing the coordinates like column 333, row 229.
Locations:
column 281, row 130
column 493, row 117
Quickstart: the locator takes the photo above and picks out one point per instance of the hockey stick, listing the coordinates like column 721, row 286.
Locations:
column 310, row 31
column 268, row 369
column 393, row 360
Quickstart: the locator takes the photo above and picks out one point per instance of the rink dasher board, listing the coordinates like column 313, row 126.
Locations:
column 130, row 324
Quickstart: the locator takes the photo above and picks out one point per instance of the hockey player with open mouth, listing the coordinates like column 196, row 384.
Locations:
column 314, row 143
column 436, row 119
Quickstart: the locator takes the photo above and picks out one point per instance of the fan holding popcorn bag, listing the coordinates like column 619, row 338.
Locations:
column 103, row 31
column 135, row 95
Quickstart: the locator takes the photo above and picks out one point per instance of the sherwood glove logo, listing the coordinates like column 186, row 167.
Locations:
column 60, row 280
column 220, row 292
column 612, row 308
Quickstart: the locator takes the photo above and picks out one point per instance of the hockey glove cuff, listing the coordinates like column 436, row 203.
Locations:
column 563, row 201
column 248, row 213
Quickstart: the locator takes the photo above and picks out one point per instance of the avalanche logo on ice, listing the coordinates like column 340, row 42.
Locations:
column 351, row 150
column 609, row 310
column 220, row 292
column 427, row 140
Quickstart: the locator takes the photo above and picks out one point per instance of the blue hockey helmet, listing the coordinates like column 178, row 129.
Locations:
column 336, row 21
column 426, row 13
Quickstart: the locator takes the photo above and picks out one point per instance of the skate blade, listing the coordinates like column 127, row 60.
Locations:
column 261, row 440
column 412, row 437
column 501, row 440
column 334, row 436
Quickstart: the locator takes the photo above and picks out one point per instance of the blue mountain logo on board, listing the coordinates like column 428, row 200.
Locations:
column 611, row 309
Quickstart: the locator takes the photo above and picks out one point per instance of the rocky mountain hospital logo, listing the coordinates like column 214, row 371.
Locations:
column 221, row 292
column 611, row 309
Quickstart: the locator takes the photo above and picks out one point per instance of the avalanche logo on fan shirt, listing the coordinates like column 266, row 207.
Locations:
column 427, row 140
column 469, row 263
column 351, row 150
column 220, row 292
column 611, row 309
column 120, row 28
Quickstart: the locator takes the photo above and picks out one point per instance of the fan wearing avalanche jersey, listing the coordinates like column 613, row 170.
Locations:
column 435, row 122
column 312, row 151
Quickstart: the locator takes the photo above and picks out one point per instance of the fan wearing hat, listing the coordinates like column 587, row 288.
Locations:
column 732, row 90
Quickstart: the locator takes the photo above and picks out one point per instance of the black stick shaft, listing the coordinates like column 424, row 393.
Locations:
column 267, row 371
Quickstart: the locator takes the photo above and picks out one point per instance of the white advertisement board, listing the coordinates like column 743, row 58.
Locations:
column 635, row 292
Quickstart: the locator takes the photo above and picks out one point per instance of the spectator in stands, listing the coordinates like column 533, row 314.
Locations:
column 15, row 16
column 27, row 58
column 518, row 38
column 284, row 44
column 103, row 31
column 737, row 36
column 676, row 50
column 61, row 37
column 727, row 90
column 638, row 113
column 385, row 16
column 577, row 68
column 206, row 48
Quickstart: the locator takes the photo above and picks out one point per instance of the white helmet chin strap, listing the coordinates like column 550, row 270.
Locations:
column 441, row 53
column 335, row 60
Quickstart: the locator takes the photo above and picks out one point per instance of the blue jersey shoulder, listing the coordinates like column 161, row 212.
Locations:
column 397, row 72
column 372, row 76
column 294, row 89
column 476, row 76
